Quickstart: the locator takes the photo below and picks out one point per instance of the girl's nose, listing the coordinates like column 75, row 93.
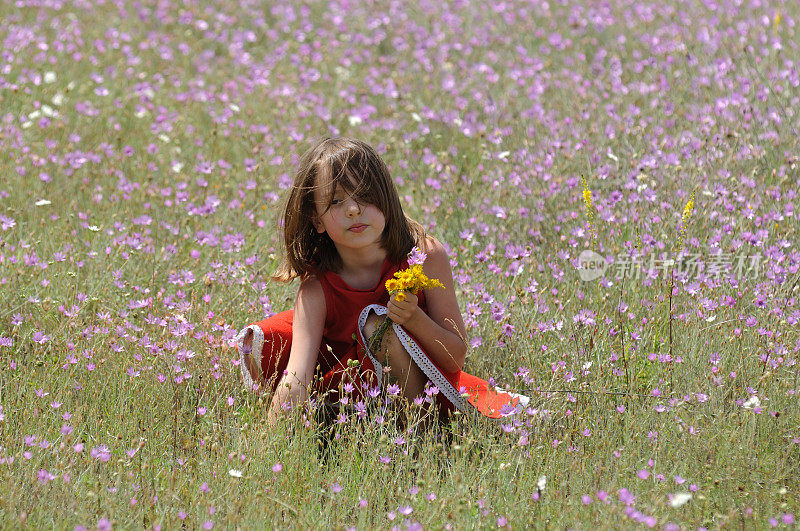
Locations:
column 353, row 208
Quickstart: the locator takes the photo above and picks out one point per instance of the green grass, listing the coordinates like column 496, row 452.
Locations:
column 128, row 233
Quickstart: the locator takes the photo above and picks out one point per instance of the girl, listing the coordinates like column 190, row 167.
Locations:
column 345, row 234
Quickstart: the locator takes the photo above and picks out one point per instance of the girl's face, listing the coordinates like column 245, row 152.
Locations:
column 351, row 222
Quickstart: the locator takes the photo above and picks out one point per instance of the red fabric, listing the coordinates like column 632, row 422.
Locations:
column 277, row 345
column 343, row 306
column 487, row 400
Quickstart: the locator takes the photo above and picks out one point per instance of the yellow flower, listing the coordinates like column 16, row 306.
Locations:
column 412, row 279
column 685, row 217
column 587, row 197
column 687, row 210
column 587, row 201
column 400, row 296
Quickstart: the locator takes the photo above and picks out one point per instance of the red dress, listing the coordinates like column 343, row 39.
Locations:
column 341, row 344
column 343, row 306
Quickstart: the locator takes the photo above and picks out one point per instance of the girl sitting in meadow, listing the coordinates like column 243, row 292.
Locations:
column 345, row 236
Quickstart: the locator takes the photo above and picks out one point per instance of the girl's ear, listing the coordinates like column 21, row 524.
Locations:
column 318, row 224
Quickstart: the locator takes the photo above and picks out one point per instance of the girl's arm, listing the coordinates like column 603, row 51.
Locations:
column 307, row 326
column 441, row 332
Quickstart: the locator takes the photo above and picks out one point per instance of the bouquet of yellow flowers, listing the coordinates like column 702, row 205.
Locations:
column 412, row 279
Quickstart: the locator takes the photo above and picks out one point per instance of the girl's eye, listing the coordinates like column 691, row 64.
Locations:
column 358, row 199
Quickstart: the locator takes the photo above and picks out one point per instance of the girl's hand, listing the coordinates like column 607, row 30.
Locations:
column 403, row 311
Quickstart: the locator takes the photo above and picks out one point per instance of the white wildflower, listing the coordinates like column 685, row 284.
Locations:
column 752, row 402
column 679, row 499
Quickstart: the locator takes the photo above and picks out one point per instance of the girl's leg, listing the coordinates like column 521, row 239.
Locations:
column 396, row 361
column 410, row 365
column 264, row 350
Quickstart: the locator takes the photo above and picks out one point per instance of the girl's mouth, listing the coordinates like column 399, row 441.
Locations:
column 357, row 228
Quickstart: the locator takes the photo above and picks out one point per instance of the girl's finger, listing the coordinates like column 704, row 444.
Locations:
column 404, row 296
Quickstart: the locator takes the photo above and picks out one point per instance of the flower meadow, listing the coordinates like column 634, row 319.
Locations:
column 144, row 150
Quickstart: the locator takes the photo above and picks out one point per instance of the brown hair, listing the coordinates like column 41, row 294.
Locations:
column 355, row 167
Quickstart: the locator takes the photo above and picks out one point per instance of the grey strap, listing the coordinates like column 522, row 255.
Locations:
column 258, row 344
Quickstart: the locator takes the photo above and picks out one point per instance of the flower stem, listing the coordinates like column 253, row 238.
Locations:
column 376, row 339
